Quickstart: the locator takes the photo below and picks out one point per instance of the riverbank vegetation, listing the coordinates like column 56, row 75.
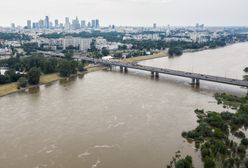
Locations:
column 32, row 67
column 178, row 162
column 220, row 137
column 175, row 51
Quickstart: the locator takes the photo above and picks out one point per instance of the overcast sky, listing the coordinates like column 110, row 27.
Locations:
column 130, row 12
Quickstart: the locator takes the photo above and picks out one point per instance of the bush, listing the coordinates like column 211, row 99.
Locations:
column 175, row 51
column 209, row 163
column 34, row 76
column 22, row 82
column 244, row 141
column 184, row 163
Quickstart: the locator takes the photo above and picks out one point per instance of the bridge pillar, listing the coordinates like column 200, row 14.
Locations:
column 197, row 82
column 193, row 81
column 152, row 74
column 157, row 75
column 125, row 69
column 121, row 68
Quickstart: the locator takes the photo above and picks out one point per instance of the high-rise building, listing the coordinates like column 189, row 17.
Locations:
column 13, row 25
column 83, row 24
column 97, row 23
column 85, row 44
column 89, row 25
column 29, row 24
column 154, row 25
column 47, row 22
column 76, row 24
column 93, row 23
column 56, row 23
column 67, row 23
column 41, row 24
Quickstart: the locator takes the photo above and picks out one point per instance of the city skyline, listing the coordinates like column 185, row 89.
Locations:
column 130, row 12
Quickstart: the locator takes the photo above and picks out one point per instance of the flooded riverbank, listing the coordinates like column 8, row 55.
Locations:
column 109, row 119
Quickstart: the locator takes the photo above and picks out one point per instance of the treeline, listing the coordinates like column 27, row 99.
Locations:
column 149, row 44
column 14, row 36
column 109, row 36
column 32, row 67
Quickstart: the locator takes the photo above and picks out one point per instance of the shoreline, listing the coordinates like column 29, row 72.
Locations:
column 11, row 88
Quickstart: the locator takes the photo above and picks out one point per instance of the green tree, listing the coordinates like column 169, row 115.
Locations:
column 22, row 82
column 65, row 68
column 209, row 163
column 34, row 76
column 50, row 66
column 13, row 76
column 184, row 163
column 175, row 51
column 105, row 51
column 81, row 67
column 68, row 54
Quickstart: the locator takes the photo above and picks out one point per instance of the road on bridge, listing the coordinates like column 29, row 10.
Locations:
column 196, row 77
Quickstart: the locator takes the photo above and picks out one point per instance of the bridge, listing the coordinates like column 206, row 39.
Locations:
column 195, row 77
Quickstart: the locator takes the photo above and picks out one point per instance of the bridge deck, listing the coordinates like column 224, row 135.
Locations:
column 198, row 76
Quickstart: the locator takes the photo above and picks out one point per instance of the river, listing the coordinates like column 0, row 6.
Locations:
column 109, row 119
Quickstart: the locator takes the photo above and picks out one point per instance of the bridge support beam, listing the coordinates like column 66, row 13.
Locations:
column 157, row 75
column 152, row 74
column 193, row 82
column 121, row 68
column 197, row 82
column 125, row 69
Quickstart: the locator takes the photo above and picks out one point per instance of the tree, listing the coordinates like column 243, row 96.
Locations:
column 34, row 76
column 118, row 55
column 175, row 51
column 105, row 51
column 22, row 82
column 4, row 79
column 68, row 54
column 209, row 163
column 50, row 66
column 65, row 68
column 184, row 163
column 13, row 76
column 81, row 67
column 30, row 47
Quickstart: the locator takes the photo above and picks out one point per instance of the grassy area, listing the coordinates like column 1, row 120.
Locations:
column 8, row 89
column 49, row 78
column 12, row 87
column 93, row 68
column 143, row 58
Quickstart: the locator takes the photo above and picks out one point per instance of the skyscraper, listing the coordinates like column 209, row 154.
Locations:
column 93, row 23
column 76, row 24
column 88, row 25
column 13, row 25
column 47, row 23
column 97, row 23
column 56, row 23
column 83, row 24
column 154, row 25
column 41, row 24
column 67, row 23
column 29, row 24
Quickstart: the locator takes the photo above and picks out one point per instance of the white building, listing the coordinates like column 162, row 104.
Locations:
column 85, row 44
